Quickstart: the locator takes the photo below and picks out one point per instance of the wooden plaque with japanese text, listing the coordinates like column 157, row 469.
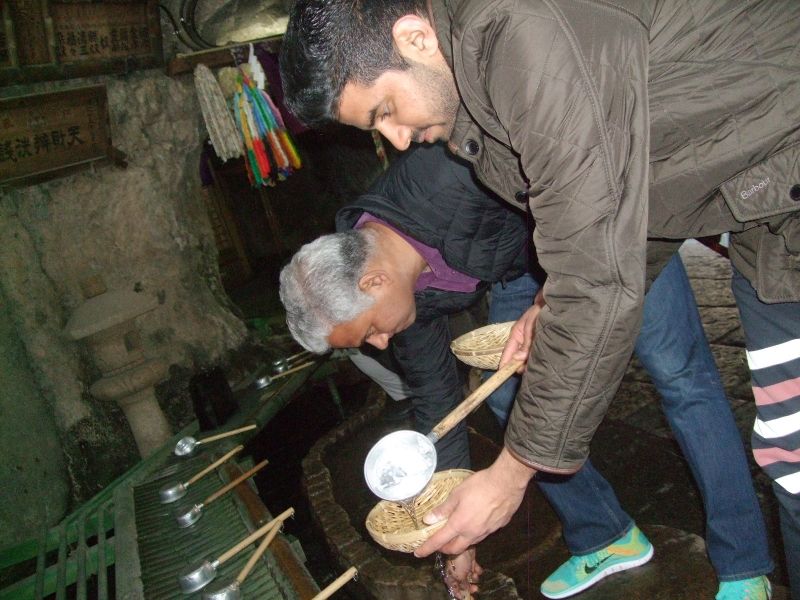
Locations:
column 45, row 135
column 59, row 39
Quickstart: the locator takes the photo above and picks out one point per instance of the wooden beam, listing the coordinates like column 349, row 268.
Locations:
column 215, row 57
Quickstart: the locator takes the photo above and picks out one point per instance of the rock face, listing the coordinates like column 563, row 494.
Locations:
column 145, row 228
column 240, row 20
column 29, row 443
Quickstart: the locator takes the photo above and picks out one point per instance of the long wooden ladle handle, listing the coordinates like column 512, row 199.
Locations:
column 225, row 434
column 227, row 488
column 213, row 466
column 473, row 400
column 228, row 554
column 259, row 551
column 292, row 370
column 289, row 359
column 339, row 582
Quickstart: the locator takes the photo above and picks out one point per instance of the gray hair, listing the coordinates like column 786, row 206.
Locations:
column 319, row 287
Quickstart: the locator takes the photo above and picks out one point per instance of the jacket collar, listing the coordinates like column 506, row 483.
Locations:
column 468, row 140
column 440, row 13
column 440, row 19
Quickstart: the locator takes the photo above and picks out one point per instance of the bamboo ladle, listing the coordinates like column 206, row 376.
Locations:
column 267, row 380
column 401, row 464
column 336, row 584
column 171, row 493
column 232, row 590
column 281, row 364
column 186, row 445
column 205, row 571
column 186, row 518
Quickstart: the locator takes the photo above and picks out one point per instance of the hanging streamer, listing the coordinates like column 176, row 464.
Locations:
column 271, row 154
column 220, row 125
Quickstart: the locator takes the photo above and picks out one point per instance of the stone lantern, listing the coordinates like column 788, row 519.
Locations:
column 106, row 321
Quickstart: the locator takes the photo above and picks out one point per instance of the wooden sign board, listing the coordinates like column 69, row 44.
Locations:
column 45, row 135
column 52, row 39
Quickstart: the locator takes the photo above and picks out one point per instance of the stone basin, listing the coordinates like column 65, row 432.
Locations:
column 518, row 557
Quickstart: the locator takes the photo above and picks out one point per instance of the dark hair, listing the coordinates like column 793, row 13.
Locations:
column 330, row 43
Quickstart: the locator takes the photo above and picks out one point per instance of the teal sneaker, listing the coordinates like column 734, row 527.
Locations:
column 581, row 572
column 755, row 588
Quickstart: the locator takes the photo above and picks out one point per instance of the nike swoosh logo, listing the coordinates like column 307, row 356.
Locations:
column 589, row 570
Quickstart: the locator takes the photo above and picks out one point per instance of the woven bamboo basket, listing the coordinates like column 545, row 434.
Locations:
column 482, row 347
column 391, row 525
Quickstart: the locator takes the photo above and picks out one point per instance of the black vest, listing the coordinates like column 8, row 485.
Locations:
column 433, row 197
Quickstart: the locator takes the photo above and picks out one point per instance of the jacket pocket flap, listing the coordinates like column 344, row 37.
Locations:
column 769, row 188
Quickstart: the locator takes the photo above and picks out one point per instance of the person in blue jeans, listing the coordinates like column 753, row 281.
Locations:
column 602, row 538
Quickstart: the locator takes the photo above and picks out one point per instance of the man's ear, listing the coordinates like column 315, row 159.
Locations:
column 373, row 280
column 415, row 38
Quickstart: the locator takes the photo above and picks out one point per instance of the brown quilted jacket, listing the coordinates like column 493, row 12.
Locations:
column 619, row 120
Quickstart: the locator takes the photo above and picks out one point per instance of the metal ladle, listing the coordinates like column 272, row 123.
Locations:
column 171, row 493
column 400, row 465
column 336, row 584
column 232, row 590
column 266, row 380
column 205, row 570
column 279, row 365
column 187, row 444
column 186, row 518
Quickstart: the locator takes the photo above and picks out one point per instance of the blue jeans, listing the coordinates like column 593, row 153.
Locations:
column 507, row 303
column 673, row 348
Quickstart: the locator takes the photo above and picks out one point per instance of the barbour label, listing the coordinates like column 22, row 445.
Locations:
column 755, row 188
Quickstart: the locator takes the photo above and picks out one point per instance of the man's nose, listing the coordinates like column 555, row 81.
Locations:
column 379, row 340
column 398, row 136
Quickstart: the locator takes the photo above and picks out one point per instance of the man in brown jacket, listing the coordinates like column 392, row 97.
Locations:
column 614, row 121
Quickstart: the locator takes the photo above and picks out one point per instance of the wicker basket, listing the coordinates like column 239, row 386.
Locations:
column 391, row 526
column 482, row 347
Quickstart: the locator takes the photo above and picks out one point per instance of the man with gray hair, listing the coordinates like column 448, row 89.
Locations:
column 320, row 288
column 423, row 244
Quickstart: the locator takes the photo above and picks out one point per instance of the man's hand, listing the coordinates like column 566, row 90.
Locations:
column 518, row 346
column 483, row 503
column 462, row 573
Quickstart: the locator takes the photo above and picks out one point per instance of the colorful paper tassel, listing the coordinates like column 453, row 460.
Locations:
column 271, row 154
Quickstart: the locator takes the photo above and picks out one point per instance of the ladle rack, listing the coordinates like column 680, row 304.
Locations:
column 94, row 551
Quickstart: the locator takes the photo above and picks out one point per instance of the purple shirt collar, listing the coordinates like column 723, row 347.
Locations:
column 440, row 276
